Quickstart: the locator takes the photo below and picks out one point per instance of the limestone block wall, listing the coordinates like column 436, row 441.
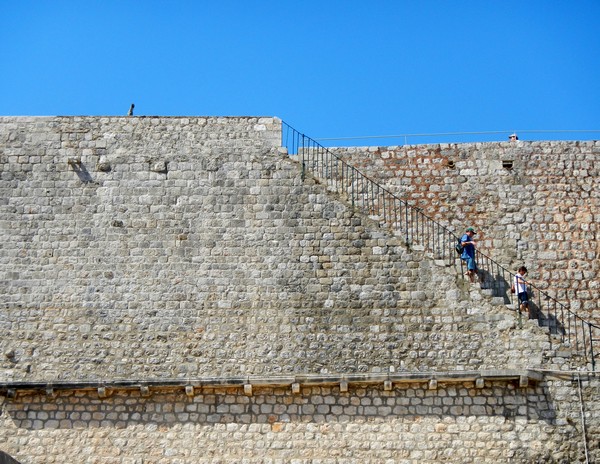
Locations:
column 455, row 423
column 533, row 203
column 138, row 249
column 188, row 247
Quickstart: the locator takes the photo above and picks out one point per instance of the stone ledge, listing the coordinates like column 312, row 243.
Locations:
column 523, row 378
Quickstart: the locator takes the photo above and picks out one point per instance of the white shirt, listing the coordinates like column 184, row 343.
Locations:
column 520, row 284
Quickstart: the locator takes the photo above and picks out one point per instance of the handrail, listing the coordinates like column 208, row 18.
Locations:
column 416, row 227
column 467, row 136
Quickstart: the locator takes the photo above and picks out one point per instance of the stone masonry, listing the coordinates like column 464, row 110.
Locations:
column 533, row 203
column 455, row 423
column 173, row 290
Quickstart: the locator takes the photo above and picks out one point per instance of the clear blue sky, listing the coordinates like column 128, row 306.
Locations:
column 328, row 68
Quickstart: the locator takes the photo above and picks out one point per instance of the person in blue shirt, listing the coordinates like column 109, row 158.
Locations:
column 468, row 254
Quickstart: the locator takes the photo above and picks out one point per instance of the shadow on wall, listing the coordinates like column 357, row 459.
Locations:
column 81, row 171
column 501, row 288
column 267, row 406
column 6, row 459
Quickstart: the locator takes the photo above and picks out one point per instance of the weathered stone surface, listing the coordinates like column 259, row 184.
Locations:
column 409, row 423
column 176, row 248
column 542, row 211
column 227, row 263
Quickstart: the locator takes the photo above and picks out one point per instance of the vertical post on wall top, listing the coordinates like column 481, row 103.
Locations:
column 302, row 161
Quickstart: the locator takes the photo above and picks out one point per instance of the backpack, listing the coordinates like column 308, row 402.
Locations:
column 458, row 247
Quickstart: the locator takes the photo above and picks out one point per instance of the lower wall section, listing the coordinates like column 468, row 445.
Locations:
column 411, row 423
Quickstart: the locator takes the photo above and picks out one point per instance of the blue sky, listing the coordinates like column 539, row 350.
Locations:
column 328, row 68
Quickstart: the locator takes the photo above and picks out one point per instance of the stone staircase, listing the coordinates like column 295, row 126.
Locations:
column 509, row 317
column 559, row 353
column 493, row 313
column 575, row 333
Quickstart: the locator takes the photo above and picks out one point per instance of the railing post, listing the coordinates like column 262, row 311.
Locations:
column 352, row 185
column 592, row 348
column 406, row 221
column 583, row 341
column 303, row 160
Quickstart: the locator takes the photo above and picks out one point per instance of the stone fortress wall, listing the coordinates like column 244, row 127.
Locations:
column 533, row 203
column 174, row 291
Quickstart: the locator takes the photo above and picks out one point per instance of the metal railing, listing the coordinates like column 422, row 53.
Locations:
column 417, row 228
column 529, row 135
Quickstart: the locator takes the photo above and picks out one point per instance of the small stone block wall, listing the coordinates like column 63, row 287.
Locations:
column 148, row 249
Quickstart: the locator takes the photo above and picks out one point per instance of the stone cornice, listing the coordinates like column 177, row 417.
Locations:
column 522, row 378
